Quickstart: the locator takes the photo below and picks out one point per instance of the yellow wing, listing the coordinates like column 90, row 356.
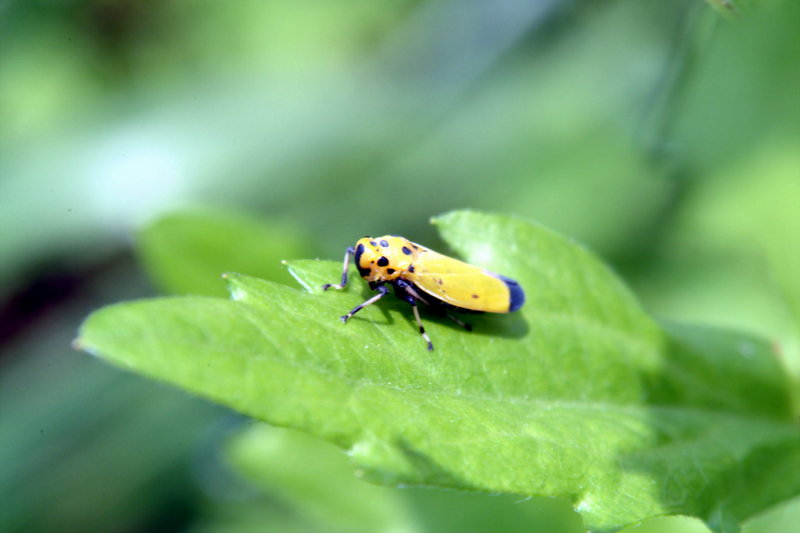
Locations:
column 464, row 285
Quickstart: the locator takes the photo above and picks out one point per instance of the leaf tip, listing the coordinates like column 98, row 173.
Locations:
column 80, row 345
column 233, row 286
column 299, row 279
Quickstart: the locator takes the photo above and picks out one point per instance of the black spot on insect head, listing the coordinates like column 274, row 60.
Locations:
column 359, row 251
column 406, row 250
column 411, row 268
column 383, row 261
column 384, row 244
column 475, row 296
column 363, row 272
column 439, row 281
column 390, row 271
column 373, row 243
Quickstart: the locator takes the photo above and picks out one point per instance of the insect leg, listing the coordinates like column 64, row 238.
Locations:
column 458, row 321
column 349, row 252
column 382, row 291
column 421, row 327
column 405, row 291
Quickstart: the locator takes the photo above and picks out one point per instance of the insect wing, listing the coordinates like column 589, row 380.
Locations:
column 463, row 285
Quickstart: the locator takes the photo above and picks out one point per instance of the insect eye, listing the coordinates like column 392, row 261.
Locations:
column 359, row 251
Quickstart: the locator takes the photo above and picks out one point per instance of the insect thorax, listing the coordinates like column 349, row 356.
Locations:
column 384, row 258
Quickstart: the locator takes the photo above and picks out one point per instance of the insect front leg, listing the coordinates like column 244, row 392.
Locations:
column 383, row 290
column 347, row 254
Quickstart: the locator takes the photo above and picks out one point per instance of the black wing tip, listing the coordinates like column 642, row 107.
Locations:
column 516, row 295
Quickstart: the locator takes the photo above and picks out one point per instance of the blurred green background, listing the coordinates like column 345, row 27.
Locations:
column 660, row 134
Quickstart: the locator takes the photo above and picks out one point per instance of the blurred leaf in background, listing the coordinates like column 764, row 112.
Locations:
column 730, row 255
column 85, row 447
column 189, row 251
column 329, row 117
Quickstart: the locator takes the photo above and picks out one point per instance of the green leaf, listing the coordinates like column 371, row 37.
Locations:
column 315, row 480
column 187, row 252
column 580, row 395
column 731, row 257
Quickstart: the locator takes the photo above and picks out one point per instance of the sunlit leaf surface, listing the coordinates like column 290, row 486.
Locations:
column 580, row 396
